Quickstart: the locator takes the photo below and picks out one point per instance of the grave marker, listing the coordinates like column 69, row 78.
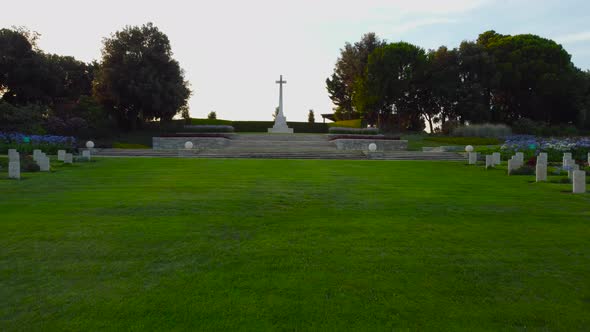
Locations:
column 541, row 172
column 579, row 182
column 69, row 158
column 472, row 158
column 61, row 155
column 14, row 170
column 497, row 158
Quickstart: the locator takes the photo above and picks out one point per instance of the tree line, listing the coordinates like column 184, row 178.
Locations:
column 136, row 80
column 495, row 79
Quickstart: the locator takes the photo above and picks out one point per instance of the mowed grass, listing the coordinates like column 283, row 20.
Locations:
column 189, row 244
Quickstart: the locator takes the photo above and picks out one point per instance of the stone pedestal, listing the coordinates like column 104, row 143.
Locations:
column 280, row 126
column 519, row 156
column 541, row 172
column 566, row 156
column 61, row 155
column 68, row 158
column 497, row 158
column 14, row 170
column 579, row 181
column 472, row 158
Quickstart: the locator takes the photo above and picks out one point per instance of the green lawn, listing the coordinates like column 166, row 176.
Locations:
column 189, row 244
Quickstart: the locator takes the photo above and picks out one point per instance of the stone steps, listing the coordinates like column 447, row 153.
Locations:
column 281, row 154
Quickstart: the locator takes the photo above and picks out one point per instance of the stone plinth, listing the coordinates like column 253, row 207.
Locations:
column 280, row 126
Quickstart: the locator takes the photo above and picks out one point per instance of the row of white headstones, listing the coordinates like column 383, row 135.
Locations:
column 577, row 176
column 42, row 160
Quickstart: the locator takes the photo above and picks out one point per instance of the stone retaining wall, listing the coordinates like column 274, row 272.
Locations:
column 175, row 143
column 363, row 144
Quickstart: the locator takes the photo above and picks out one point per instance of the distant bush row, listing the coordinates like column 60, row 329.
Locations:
column 354, row 131
column 483, row 130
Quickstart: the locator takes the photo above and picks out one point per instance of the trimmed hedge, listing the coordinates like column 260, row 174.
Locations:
column 354, row 131
column 347, row 124
column 464, row 140
column 214, row 122
column 209, row 128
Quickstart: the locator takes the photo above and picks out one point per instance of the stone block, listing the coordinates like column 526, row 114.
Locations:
column 572, row 169
column 541, row 172
column 579, row 182
column 69, row 158
column 61, row 155
column 520, row 157
column 512, row 166
column 13, row 155
column 14, row 170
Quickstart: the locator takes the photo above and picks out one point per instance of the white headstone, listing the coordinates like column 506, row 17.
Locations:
column 588, row 160
column 86, row 154
column 69, row 158
column 520, row 157
column 36, row 154
column 497, row 158
column 541, row 172
column 566, row 156
column 13, row 155
column 542, row 158
column 472, row 158
column 512, row 165
column 489, row 161
column 14, row 170
column 280, row 126
column 572, row 169
column 579, row 181
column 44, row 165
column 61, row 155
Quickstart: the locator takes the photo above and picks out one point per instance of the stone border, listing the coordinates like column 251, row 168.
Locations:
column 175, row 143
column 363, row 144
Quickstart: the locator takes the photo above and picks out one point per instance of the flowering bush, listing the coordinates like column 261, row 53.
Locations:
column 554, row 147
column 28, row 143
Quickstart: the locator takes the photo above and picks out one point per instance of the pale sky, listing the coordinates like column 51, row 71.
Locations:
column 233, row 51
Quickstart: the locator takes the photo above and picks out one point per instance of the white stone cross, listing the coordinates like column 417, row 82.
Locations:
column 280, row 125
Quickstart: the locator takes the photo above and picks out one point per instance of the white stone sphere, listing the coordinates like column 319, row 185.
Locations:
column 188, row 145
column 372, row 147
column 90, row 144
column 469, row 148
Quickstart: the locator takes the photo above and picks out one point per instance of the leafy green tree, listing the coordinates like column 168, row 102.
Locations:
column 138, row 79
column 212, row 115
column 390, row 85
column 350, row 66
column 534, row 78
